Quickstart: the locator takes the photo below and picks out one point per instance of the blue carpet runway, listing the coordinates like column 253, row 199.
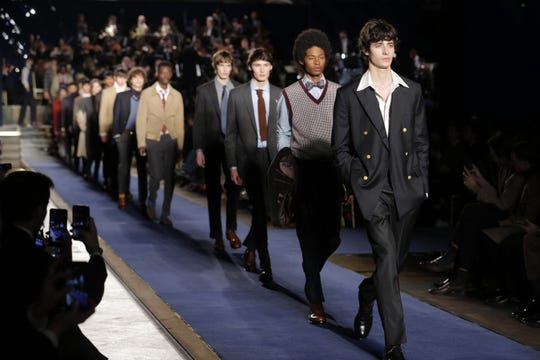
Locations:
column 239, row 318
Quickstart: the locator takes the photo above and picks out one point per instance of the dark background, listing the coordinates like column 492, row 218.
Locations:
column 485, row 50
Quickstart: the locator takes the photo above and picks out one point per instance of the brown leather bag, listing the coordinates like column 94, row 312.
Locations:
column 282, row 188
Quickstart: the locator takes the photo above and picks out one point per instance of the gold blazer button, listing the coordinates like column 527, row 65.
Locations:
column 404, row 130
column 409, row 177
column 365, row 178
column 368, row 156
column 365, row 132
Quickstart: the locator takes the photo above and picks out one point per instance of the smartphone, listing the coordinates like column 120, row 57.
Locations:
column 58, row 233
column 76, row 280
column 81, row 216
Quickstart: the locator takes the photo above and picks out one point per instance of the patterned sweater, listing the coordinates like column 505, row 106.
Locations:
column 311, row 120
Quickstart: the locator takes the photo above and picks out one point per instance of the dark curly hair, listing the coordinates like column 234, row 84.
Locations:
column 376, row 30
column 308, row 39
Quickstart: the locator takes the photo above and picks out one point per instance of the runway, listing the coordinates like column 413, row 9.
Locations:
column 207, row 307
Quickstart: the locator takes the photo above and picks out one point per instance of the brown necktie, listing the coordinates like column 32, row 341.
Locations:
column 262, row 115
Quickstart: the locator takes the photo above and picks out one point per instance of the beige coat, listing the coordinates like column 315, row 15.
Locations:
column 151, row 116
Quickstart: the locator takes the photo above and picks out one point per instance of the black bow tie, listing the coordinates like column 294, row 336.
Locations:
column 310, row 84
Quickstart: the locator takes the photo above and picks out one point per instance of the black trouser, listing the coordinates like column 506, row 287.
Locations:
column 110, row 167
column 28, row 100
column 256, row 187
column 127, row 149
column 390, row 238
column 318, row 215
column 215, row 164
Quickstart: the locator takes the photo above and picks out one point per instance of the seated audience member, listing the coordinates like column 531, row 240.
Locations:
column 530, row 312
column 502, row 253
column 472, row 246
column 33, row 310
column 492, row 203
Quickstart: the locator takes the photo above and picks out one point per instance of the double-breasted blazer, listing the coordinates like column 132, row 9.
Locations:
column 241, row 136
column 207, row 121
column 151, row 116
column 365, row 154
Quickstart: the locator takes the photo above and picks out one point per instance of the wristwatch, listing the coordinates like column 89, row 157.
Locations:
column 99, row 252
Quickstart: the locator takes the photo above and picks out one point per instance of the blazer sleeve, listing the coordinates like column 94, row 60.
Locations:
column 141, row 120
column 231, row 137
column 199, row 119
column 117, row 112
column 341, row 145
column 179, row 122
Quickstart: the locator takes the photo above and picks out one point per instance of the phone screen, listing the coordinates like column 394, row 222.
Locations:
column 81, row 214
column 75, row 279
column 58, row 233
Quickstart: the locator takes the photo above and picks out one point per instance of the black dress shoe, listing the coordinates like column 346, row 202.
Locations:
column 363, row 320
column 441, row 264
column 218, row 246
column 441, row 282
column 532, row 307
column 456, row 286
column 394, row 353
column 449, row 288
column 532, row 320
column 267, row 280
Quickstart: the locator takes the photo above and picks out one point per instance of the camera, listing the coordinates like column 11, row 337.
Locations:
column 76, row 280
column 81, row 216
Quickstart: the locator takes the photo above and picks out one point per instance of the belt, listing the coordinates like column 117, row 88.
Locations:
column 129, row 132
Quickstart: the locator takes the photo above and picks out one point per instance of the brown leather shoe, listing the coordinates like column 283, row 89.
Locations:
column 250, row 263
column 233, row 239
column 317, row 314
column 121, row 201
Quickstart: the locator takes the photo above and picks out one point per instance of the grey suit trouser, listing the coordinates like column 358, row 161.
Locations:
column 390, row 238
column 161, row 158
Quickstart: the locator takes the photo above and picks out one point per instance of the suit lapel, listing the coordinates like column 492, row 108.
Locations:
column 371, row 106
column 213, row 94
column 274, row 96
column 248, row 103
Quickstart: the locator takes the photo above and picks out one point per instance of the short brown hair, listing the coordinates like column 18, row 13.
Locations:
column 221, row 56
column 137, row 70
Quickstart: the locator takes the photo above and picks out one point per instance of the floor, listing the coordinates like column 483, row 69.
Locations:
column 122, row 317
column 140, row 323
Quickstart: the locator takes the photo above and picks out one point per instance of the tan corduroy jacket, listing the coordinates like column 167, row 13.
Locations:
column 151, row 116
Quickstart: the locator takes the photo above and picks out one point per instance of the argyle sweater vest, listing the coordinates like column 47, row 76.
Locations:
column 311, row 120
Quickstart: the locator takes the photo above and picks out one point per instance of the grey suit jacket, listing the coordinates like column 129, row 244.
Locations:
column 366, row 155
column 241, row 137
column 207, row 119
